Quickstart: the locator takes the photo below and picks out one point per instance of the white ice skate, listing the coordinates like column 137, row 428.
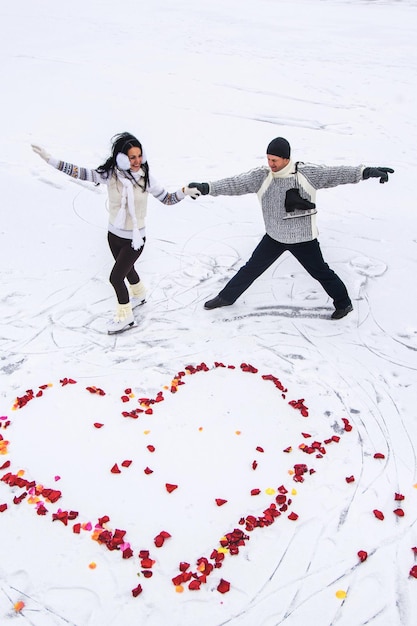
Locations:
column 123, row 320
column 138, row 294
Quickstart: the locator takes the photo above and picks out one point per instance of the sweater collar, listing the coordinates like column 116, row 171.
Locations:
column 288, row 170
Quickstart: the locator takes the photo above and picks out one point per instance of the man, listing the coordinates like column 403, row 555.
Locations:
column 287, row 193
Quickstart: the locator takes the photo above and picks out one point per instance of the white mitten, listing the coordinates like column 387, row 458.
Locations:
column 192, row 192
column 42, row 153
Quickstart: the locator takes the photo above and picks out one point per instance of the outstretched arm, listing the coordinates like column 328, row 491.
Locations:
column 166, row 197
column 81, row 173
column 323, row 176
column 248, row 182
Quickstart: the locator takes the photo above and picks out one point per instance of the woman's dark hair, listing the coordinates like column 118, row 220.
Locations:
column 122, row 143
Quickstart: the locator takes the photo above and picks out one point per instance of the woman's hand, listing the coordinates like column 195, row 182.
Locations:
column 42, row 153
column 193, row 192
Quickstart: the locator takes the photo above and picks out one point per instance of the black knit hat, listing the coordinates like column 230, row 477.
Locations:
column 279, row 147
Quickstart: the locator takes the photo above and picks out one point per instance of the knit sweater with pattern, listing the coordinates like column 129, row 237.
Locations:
column 301, row 226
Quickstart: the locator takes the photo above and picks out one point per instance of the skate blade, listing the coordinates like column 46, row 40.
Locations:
column 122, row 330
column 141, row 303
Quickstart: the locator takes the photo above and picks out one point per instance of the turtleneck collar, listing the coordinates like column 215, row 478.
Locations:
column 288, row 170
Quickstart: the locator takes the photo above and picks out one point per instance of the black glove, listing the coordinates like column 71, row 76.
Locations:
column 377, row 172
column 293, row 201
column 203, row 188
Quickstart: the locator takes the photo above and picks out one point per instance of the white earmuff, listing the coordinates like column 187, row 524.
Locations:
column 122, row 161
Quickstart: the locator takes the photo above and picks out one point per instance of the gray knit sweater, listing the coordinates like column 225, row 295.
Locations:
column 279, row 226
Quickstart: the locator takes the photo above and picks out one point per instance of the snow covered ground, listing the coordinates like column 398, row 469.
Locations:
column 206, row 86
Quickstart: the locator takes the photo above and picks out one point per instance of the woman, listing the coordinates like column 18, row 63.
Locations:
column 126, row 174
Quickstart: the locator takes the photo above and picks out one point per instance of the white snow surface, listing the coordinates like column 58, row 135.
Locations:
column 206, row 86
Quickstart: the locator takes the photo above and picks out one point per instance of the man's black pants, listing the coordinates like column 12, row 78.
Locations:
column 307, row 253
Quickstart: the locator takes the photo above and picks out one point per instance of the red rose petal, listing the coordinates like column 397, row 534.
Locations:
column 144, row 554
column 413, row 571
column 151, row 448
column 137, row 591
column 18, row 499
column 254, row 465
column 148, row 470
column 170, row 488
column 179, row 579
column 127, row 553
column 398, row 496
column 259, row 449
column 160, row 539
column 98, row 425
column 127, row 463
column 220, row 501
column 363, row 555
column 378, row 514
column 61, row 516
column 399, row 512
column 3, row 507
column 184, row 566
column 52, row 495
column 194, row 585
column 293, row 516
column 41, row 510
column 223, row 586
column 255, row 492
column 115, row 469
column 164, row 534
column 350, row 479
column 96, row 390
column 379, row 455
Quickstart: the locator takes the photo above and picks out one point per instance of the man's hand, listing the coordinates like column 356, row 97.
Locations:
column 203, row 188
column 377, row 172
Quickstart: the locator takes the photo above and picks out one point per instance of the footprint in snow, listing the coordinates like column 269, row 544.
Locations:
column 368, row 267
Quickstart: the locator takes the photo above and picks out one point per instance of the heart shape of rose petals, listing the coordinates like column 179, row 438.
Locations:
column 162, row 474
